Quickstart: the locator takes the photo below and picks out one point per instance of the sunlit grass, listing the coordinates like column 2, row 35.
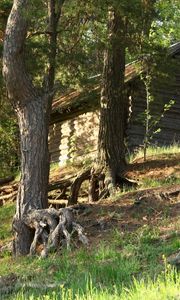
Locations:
column 154, row 151
column 54, row 166
column 126, row 266
column 154, row 182
column 165, row 287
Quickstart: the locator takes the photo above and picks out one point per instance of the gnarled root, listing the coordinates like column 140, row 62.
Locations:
column 52, row 227
column 104, row 183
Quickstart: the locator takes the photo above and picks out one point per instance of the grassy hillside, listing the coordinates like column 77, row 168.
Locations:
column 131, row 239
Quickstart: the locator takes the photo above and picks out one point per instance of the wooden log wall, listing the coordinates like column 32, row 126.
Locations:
column 164, row 89
column 74, row 139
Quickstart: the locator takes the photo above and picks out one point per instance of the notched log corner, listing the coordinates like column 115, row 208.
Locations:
column 53, row 228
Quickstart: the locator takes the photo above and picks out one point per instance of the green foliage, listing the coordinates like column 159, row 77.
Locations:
column 5, row 7
column 8, row 129
column 166, row 30
column 8, row 140
column 80, row 43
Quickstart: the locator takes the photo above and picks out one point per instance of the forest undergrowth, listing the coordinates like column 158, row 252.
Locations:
column 131, row 241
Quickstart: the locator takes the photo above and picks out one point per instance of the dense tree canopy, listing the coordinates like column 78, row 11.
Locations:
column 82, row 37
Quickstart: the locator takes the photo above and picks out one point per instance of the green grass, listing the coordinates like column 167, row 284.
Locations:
column 54, row 166
column 120, row 282
column 152, row 183
column 6, row 214
column 146, row 183
column 125, row 266
column 155, row 151
column 165, row 286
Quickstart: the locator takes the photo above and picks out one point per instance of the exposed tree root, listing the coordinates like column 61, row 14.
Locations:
column 96, row 184
column 51, row 229
column 103, row 184
column 161, row 193
column 8, row 188
column 68, row 190
column 75, row 187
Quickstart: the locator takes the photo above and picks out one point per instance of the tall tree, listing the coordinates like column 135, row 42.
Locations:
column 126, row 28
column 32, row 106
column 111, row 148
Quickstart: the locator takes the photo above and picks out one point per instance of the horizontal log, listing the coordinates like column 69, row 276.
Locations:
column 8, row 197
column 60, row 184
column 59, row 202
column 6, row 190
column 12, row 187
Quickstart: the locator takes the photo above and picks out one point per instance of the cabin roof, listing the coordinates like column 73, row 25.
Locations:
column 174, row 49
column 132, row 70
column 75, row 103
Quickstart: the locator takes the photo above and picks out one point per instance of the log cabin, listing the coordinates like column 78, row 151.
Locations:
column 74, row 121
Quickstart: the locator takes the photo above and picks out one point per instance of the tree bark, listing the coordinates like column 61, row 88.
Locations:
column 113, row 110
column 33, row 188
column 33, row 110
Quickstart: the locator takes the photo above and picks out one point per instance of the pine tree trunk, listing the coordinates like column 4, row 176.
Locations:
column 32, row 193
column 111, row 147
column 33, row 109
column 108, row 173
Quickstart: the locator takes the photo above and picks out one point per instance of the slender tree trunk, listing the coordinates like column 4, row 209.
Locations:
column 33, row 110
